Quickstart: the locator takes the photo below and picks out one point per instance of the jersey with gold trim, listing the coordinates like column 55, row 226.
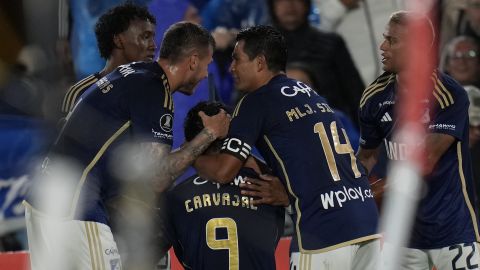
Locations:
column 306, row 146
column 130, row 105
column 446, row 215
column 76, row 90
column 213, row 226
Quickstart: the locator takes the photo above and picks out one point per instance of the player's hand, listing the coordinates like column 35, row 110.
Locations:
column 269, row 190
column 217, row 124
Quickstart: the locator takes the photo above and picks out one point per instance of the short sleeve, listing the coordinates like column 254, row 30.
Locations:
column 246, row 126
column 151, row 111
column 370, row 135
column 452, row 120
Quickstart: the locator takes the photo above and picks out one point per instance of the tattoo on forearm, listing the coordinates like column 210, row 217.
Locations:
column 170, row 165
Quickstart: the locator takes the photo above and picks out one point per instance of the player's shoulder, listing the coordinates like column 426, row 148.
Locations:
column 77, row 89
column 376, row 89
column 446, row 91
column 86, row 82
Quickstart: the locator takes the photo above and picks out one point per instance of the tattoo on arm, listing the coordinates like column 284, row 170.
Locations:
column 167, row 165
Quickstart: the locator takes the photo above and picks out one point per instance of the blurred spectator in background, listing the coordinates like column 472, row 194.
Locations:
column 460, row 17
column 461, row 60
column 124, row 34
column 336, row 74
column 303, row 72
column 474, row 132
column 234, row 14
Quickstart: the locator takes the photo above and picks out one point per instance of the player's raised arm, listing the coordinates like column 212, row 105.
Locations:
column 169, row 165
column 220, row 168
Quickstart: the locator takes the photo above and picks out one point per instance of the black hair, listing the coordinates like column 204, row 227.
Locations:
column 115, row 21
column 193, row 123
column 181, row 38
column 267, row 41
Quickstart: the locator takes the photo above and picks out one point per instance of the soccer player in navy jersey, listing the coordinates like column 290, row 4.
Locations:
column 121, row 125
column 305, row 144
column 214, row 226
column 125, row 34
column 445, row 232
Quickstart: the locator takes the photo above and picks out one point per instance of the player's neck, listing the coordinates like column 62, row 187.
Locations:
column 112, row 63
column 266, row 78
column 174, row 73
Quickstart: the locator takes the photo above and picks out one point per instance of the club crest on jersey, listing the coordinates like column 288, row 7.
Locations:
column 166, row 122
column 290, row 91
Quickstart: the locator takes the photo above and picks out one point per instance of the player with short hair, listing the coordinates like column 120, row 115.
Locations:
column 445, row 232
column 121, row 129
column 125, row 33
column 305, row 144
column 214, row 226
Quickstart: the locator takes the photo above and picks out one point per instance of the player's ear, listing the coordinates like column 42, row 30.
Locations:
column 193, row 61
column 117, row 41
column 261, row 62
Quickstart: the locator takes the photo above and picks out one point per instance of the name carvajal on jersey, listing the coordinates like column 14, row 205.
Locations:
column 217, row 198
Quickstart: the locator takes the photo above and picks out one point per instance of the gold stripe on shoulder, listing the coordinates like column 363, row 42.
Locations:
column 237, row 108
column 465, row 193
column 71, row 96
column 73, row 87
column 168, row 100
column 92, row 163
column 440, row 101
column 444, row 89
column 375, row 88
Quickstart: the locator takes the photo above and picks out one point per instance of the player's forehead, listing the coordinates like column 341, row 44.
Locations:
column 141, row 25
column 394, row 30
column 238, row 50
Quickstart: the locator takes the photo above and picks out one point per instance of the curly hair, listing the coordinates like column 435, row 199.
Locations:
column 115, row 21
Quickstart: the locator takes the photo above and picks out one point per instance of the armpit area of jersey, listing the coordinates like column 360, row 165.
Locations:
column 237, row 148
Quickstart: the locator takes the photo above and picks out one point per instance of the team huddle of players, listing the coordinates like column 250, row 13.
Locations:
column 213, row 220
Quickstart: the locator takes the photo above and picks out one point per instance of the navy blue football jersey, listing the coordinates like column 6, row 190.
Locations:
column 213, row 226
column 131, row 104
column 306, row 146
column 446, row 215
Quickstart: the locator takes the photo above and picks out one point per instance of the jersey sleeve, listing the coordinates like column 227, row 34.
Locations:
column 151, row 111
column 246, row 126
column 452, row 120
column 370, row 135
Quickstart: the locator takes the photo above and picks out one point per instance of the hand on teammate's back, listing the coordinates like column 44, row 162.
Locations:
column 267, row 190
column 217, row 124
